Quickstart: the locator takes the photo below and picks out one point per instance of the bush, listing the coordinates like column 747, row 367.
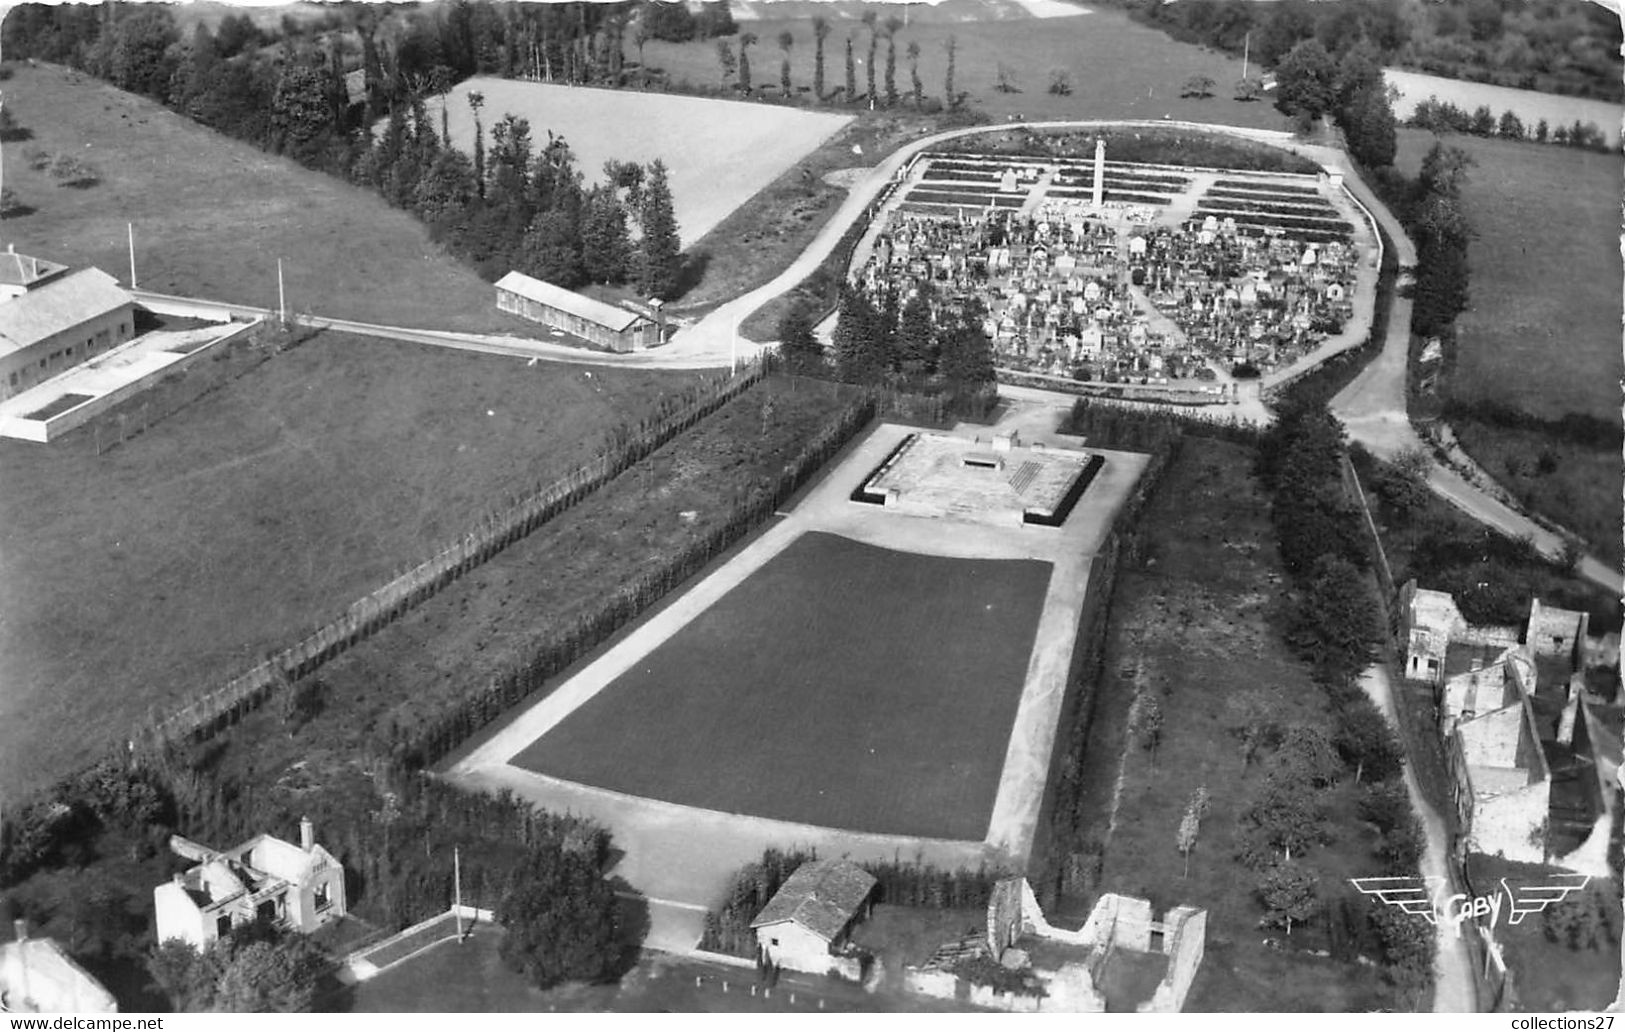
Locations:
column 559, row 919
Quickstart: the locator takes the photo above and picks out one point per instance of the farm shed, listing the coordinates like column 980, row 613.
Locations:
column 806, row 923
column 53, row 318
column 608, row 326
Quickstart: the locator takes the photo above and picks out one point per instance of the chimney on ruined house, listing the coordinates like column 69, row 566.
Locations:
column 307, row 834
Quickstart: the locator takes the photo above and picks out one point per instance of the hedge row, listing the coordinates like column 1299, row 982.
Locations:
column 225, row 705
column 457, row 719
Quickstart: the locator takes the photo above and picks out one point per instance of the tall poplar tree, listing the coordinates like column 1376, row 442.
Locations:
column 661, row 257
column 820, row 33
column 851, row 73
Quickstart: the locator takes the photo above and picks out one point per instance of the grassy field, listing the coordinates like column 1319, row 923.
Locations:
column 889, row 692
column 1578, row 486
column 1118, row 69
column 132, row 578
column 767, row 232
column 213, row 215
column 1193, row 621
column 1542, row 330
column 490, row 619
column 717, row 152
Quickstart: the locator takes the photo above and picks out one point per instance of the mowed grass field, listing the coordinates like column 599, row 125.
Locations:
column 1543, row 328
column 1118, row 69
column 170, row 563
column 718, row 153
column 841, row 685
column 213, row 215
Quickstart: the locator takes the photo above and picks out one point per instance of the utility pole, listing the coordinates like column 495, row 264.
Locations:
column 281, row 297
column 1246, row 48
column 457, row 888
column 733, row 351
column 131, row 226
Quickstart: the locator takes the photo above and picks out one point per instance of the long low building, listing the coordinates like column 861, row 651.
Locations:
column 53, row 318
column 608, row 326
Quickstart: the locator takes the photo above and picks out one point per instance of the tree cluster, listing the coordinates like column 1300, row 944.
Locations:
column 258, row 967
column 1311, row 82
column 1545, row 44
column 559, row 918
column 922, row 343
column 1439, row 225
column 673, row 22
column 517, row 210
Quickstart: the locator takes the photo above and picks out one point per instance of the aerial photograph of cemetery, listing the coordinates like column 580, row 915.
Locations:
column 795, row 506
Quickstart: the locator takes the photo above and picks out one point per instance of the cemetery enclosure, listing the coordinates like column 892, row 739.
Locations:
column 841, row 685
column 718, row 153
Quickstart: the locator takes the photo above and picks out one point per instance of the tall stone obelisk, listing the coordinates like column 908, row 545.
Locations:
column 1100, row 172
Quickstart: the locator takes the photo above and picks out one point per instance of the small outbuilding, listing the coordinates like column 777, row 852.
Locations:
column 608, row 326
column 806, row 924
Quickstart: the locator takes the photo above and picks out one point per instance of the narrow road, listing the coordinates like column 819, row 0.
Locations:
column 1454, row 985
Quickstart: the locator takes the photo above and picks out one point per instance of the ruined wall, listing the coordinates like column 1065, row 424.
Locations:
column 1184, row 939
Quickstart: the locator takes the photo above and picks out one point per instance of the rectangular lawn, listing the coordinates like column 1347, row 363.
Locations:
column 842, row 685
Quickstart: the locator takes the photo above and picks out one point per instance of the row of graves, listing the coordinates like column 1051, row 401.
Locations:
column 947, row 184
column 1261, row 274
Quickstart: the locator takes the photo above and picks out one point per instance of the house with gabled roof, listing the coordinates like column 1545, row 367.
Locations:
column 298, row 886
column 807, row 924
column 52, row 318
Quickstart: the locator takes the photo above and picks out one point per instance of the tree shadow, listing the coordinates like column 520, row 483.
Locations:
column 17, row 211
column 631, row 925
column 16, row 134
column 688, row 277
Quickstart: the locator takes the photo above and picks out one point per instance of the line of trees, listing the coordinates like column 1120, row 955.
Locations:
column 628, row 444
column 1441, row 116
column 1438, row 223
column 439, row 731
column 1322, row 540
